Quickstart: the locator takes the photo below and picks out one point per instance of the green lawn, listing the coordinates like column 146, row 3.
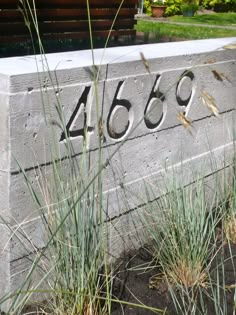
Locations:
column 215, row 18
column 182, row 31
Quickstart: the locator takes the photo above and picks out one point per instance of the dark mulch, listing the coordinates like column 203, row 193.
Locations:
column 133, row 286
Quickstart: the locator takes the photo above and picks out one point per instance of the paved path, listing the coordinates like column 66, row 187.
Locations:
column 166, row 21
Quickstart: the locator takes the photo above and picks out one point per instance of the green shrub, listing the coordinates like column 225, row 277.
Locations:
column 220, row 5
column 173, row 7
column 147, row 7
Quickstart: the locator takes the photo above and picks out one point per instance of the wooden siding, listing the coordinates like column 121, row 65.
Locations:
column 68, row 19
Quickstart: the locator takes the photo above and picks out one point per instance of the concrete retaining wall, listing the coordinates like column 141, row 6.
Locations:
column 179, row 76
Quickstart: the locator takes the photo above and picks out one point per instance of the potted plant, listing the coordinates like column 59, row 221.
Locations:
column 158, row 8
column 189, row 7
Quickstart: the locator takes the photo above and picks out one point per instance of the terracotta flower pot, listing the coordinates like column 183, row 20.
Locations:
column 158, row 10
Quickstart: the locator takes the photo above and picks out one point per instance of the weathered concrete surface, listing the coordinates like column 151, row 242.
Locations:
column 181, row 74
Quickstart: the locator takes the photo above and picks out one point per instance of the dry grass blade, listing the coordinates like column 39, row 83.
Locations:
column 217, row 75
column 230, row 228
column 186, row 122
column 220, row 76
column 212, row 60
column 230, row 46
column 145, row 62
column 209, row 101
column 188, row 275
column 225, row 77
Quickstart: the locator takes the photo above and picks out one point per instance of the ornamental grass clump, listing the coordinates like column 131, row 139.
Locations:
column 182, row 227
column 73, row 263
column 229, row 220
column 80, row 283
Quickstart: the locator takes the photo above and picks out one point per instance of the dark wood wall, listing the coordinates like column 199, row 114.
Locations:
column 67, row 18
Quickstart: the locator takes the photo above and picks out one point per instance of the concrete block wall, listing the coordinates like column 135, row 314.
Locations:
column 178, row 76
